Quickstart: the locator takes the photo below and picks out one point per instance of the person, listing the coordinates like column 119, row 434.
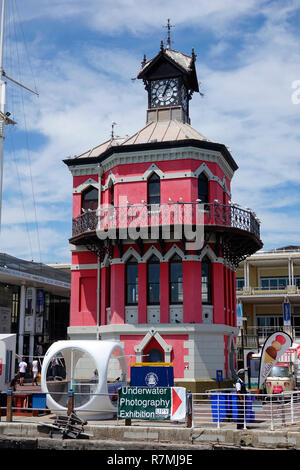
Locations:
column 241, row 391
column 22, row 371
column 13, row 384
column 35, row 371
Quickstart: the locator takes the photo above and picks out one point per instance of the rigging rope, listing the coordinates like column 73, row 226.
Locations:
column 13, row 18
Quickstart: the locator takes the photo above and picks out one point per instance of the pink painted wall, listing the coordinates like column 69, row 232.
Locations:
column 83, row 298
column 117, row 294
column 192, row 300
column 177, row 356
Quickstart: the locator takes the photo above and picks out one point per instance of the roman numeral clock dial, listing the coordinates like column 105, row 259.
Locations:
column 164, row 93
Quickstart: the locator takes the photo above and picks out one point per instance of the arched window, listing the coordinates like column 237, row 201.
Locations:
column 112, row 195
column 154, row 189
column 206, row 280
column 131, row 281
column 176, row 284
column 90, row 199
column 153, row 280
column 154, row 355
column 203, row 188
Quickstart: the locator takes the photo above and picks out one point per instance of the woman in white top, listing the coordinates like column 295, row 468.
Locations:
column 35, row 370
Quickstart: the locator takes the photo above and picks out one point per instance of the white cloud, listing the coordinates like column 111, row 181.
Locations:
column 246, row 106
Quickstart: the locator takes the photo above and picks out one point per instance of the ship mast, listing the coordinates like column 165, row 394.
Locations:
column 2, row 104
column 4, row 116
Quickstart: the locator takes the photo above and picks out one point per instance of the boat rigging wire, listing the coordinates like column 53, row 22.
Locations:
column 12, row 20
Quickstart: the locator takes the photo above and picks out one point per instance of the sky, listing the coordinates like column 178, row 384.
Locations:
column 81, row 57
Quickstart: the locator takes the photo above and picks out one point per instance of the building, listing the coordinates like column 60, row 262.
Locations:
column 265, row 281
column 138, row 276
column 34, row 303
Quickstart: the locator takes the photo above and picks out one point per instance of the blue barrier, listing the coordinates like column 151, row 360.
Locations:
column 39, row 401
column 224, row 406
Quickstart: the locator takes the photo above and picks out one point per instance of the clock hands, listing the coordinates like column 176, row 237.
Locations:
column 167, row 85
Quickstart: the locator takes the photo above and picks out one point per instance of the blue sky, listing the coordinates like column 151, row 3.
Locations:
column 81, row 56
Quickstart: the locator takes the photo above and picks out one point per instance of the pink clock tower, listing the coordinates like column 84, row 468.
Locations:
column 138, row 275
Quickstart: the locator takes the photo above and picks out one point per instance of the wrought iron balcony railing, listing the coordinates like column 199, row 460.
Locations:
column 212, row 214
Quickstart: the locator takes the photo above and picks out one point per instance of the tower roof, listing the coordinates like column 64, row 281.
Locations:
column 154, row 134
column 184, row 63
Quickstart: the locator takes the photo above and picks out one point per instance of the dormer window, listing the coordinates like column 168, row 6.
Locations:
column 90, row 199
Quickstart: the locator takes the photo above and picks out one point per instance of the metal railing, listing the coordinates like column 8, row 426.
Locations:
column 222, row 409
column 167, row 214
column 217, row 409
column 275, row 290
column 262, row 332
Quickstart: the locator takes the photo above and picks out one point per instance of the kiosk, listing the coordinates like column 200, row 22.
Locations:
column 93, row 370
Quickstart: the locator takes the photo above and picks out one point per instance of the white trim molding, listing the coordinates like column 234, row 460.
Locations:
column 153, row 333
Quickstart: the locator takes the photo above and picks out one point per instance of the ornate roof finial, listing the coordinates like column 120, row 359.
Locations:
column 113, row 124
column 161, row 45
column 169, row 26
column 144, row 61
column 193, row 55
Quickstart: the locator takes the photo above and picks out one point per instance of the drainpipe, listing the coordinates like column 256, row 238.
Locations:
column 100, row 171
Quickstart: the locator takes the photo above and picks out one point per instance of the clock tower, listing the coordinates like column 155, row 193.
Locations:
column 170, row 79
column 136, row 279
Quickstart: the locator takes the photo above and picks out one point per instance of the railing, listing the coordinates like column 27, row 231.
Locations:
column 262, row 332
column 166, row 214
column 277, row 290
column 221, row 409
column 214, row 409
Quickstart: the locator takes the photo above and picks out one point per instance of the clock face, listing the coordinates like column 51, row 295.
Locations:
column 164, row 92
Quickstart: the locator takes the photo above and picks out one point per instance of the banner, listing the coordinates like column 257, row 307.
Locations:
column 152, row 403
column 275, row 346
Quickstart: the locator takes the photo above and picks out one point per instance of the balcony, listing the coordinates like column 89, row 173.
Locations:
column 255, row 336
column 269, row 291
column 240, row 229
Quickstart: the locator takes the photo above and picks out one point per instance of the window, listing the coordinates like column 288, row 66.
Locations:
column 206, row 280
column 203, row 188
column 90, row 199
column 155, row 355
column 154, row 189
column 273, row 283
column 153, row 278
column 176, row 284
column 240, row 283
column 131, row 282
column 112, row 195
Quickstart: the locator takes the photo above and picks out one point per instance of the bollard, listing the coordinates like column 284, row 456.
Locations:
column 70, row 402
column 189, row 399
column 9, row 406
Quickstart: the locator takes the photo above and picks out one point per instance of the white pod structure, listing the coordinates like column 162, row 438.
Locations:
column 93, row 370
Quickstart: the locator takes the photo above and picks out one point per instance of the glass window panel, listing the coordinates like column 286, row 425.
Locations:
column 203, row 188
column 131, row 282
column 176, row 284
column 154, row 189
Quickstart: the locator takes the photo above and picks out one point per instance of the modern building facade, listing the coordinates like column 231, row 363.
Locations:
column 34, row 304
column 138, row 277
column 266, row 281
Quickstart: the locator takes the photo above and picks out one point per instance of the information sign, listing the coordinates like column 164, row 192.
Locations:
column 152, row 403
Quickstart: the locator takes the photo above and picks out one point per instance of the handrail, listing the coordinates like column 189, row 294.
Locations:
column 214, row 214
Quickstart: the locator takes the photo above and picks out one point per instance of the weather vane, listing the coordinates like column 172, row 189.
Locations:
column 169, row 26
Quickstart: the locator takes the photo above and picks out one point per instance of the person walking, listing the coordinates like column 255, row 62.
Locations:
column 241, row 391
column 35, row 371
column 22, row 371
